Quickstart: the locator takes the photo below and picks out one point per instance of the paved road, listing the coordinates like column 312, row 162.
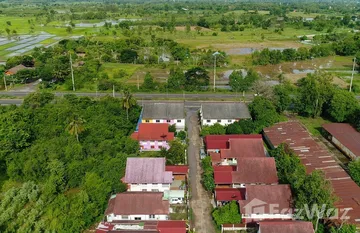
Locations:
column 11, row 101
column 200, row 201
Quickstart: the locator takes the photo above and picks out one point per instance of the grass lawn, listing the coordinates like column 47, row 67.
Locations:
column 314, row 125
column 112, row 68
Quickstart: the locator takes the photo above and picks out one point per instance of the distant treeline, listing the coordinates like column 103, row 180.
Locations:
column 332, row 44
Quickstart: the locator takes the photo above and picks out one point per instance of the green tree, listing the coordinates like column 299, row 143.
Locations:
column 196, row 79
column 346, row 228
column 215, row 129
column 234, row 128
column 342, row 105
column 128, row 101
column 38, row 99
column 175, row 154
column 148, row 84
column 176, row 79
column 227, row 214
column 282, row 96
column 314, row 91
column 354, row 170
column 263, row 113
column 128, row 56
column 208, row 174
column 76, row 126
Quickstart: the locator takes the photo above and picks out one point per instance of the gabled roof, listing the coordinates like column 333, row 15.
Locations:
column 132, row 203
column 259, row 199
column 255, row 171
column 316, row 157
column 146, row 170
column 167, row 111
column 177, row 169
column 153, row 132
column 16, row 69
column 244, row 147
column 217, row 142
column 286, row 227
column 248, row 171
column 230, row 194
column 171, row 227
column 225, row 110
column 346, row 135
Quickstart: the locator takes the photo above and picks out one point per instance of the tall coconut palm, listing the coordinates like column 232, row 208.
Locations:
column 76, row 127
column 128, row 101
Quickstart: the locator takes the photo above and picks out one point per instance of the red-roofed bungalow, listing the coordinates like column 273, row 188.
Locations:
column 153, row 137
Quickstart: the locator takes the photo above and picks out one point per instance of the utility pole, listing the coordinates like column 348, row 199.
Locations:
column 72, row 73
column 5, row 82
column 137, row 75
column 113, row 90
column 352, row 74
column 215, row 54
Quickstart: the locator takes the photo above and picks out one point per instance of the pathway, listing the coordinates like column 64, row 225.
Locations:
column 200, row 201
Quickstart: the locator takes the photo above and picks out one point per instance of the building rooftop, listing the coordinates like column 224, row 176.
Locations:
column 169, row 226
column 244, row 147
column 260, row 198
column 177, row 169
column 346, row 135
column 153, row 132
column 143, row 203
column 230, row 194
column 163, row 111
column 248, row 171
column 225, row 110
column 316, row 157
column 286, row 227
column 16, row 69
column 147, row 170
column 217, row 142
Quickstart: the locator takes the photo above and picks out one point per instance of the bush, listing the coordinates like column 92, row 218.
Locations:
column 216, row 129
column 208, row 174
column 227, row 214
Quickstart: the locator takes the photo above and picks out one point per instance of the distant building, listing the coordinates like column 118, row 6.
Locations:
column 153, row 137
column 169, row 113
column 130, row 206
column 16, row 69
column 223, row 113
column 344, row 137
column 266, row 202
column 285, row 227
column 147, row 175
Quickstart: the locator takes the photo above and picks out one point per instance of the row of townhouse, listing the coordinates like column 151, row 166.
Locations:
column 244, row 173
column 152, row 187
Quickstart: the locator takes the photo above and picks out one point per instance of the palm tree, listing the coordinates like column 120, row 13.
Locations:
column 128, row 101
column 76, row 127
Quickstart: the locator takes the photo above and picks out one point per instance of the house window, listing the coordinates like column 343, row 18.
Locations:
column 168, row 121
column 137, row 218
column 229, row 121
column 208, row 121
column 154, row 190
column 147, row 121
column 152, row 216
column 125, row 217
column 157, row 121
column 155, row 183
column 179, row 121
column 218, row 121
column 160, row 147
column 152, row 147
column 144, row 190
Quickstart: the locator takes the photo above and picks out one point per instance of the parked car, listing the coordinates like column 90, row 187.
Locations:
column 176, row 200
column 202, row 153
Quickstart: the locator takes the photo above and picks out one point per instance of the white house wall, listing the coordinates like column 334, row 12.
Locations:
column 149, row 187
column 112, row 217
column 223, row 122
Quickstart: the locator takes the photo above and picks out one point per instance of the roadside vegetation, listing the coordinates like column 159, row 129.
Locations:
column 63, row 158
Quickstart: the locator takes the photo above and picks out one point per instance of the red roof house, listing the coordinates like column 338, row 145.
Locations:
column 177, row 169
column 135, row 204
column 229, row 194
column 218, row 142
column 244, row 147
column 286, row 227
column 248, row 171
column 267, row 202
column 153, row 136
